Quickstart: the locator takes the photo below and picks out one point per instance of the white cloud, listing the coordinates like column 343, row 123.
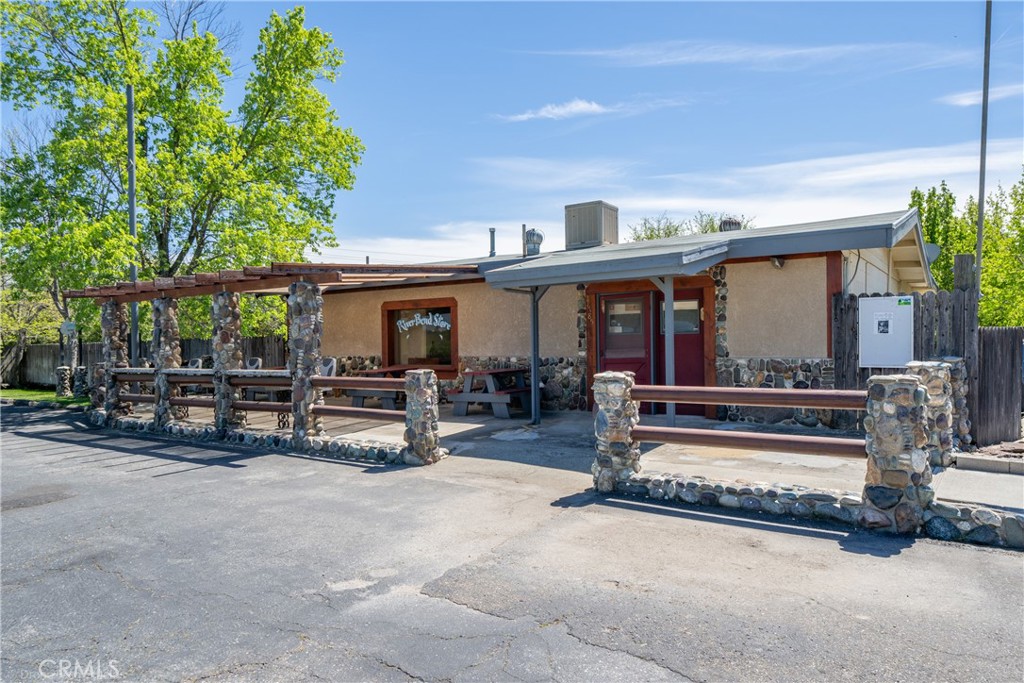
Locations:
column 580, row 108
column 903, row 56
column 545, row 175
column 567, row 110
column 972, row 98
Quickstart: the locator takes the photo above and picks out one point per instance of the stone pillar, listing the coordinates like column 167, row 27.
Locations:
column 305, row 312
column 98, row 385
column 166, row 356
column 935, row 377
column 896, row 490
column 618, row 455
column 63, row 380
column 80, row 382
column 227, row 355
column 423, row 443
column 961, row 423
column 114, row 326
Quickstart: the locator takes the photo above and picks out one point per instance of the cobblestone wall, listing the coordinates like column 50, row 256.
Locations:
column 227, row 355
column 166, row 356
column 615, row 415
column 777, row 373
column 305, row 311
column 934, row 376
column 114, row 327
column 961, row 423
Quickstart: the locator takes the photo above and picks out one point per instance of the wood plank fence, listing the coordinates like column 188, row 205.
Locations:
column 41, row 360
column 945, row 324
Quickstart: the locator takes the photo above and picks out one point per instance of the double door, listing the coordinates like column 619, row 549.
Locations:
column 631, row 338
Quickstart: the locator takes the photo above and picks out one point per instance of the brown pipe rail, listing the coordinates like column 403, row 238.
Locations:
column 814, row 445
column 837, row 399
column 189, row 379
column 138, row 398
column 364, row 413
column 260, row 381
column 381, row 383
column 192, row 402
column 264, row 406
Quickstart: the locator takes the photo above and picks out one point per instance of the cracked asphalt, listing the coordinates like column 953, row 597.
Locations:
column 193, row 562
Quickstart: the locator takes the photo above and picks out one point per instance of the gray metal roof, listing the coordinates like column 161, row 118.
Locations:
column 690, row 254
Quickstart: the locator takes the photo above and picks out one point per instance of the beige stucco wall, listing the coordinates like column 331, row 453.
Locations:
column 491, row 322
column 777, row 313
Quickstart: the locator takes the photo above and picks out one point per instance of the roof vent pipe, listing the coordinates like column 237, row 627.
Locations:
column 524, row 240
column 491, row 255
column 532, row 241
column 729, row 223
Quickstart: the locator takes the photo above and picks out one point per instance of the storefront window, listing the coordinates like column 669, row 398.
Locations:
column 687, row 317
column 419, row 335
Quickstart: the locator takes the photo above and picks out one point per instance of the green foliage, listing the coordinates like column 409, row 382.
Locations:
column 216, row 189
column 33, row 313
column 662, row 226
column 954, row 230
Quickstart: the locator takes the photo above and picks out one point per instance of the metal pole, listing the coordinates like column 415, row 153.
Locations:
column 133, row 273
column 536, row 293
column 984, row 142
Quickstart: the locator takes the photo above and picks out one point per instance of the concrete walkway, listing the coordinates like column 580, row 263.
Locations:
column 180, row 561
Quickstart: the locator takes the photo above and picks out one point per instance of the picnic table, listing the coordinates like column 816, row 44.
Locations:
column 387, row 398
column 495, row 388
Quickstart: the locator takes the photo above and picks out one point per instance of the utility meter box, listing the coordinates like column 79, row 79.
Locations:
column 886, row 331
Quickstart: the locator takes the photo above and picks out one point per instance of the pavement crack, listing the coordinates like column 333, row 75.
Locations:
column 465, row 605
column 608, row 648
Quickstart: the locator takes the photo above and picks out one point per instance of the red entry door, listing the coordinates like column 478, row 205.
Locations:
column 624, row 335
column 689, row 343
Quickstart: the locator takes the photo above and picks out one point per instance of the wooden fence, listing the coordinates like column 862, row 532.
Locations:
column 41, row 360
column 999, row 410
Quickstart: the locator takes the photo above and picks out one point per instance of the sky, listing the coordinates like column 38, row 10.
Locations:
column 479, row 115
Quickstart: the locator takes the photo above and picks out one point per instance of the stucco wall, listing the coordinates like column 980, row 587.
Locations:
column 778, row 313
column 491, row 322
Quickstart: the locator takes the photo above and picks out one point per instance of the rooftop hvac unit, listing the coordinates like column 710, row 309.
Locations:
column 591, row 224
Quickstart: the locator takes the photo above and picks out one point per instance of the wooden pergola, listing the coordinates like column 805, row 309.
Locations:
column 276, row 278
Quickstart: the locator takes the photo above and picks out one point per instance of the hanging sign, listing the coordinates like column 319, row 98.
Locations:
column 435, row 320
column 67, row 327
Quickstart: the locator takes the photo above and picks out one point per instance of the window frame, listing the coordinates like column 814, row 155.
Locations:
column 386, row 308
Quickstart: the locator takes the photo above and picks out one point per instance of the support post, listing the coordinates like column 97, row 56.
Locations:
column 960, row 419
column 536, row 294
column 63, row 380
column 227, row 355
column 667, row 287
column 305, row 312
column 618, row 454
column 166, row 356
column 422, row 438
column 935, row 376
column 896, row 489
column 114, row 326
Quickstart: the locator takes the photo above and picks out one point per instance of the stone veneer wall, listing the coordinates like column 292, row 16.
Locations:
column 114, row 327
column 305, row 311
column 961, row 424
column 166, row 356
column 227, row 355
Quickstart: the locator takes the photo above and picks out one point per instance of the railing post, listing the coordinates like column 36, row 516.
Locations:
column 896, row 491
column 305, row 311
column 618, row 455
column 114, row 327
column 935, row 377
column 63, row 380
column 961, row 423
column 423, row 441
column 166, row 356
column 227, row 355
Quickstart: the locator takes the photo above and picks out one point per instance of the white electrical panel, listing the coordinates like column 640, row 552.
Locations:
column 886, row 331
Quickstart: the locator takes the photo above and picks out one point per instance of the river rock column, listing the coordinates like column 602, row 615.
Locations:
column 618, row 455
column 63, row 380
column 423, row 442
column 166, row 356
column 114, row 327
column 935, row 377
column 227, row 355
column 80, row 382
column 961, row 423
column 306, row 327
column 896, row 490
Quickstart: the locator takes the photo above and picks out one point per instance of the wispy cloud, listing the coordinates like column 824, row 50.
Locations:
column 544, row 175
column 972, row 98
column 767, row 56
column 577, row 108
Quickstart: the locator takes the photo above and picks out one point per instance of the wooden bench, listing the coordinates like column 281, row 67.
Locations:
column 498, row 401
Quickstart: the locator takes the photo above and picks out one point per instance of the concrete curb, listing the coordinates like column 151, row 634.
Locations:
column 988, row 463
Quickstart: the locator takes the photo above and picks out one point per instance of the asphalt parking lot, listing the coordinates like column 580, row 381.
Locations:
column 154, row 559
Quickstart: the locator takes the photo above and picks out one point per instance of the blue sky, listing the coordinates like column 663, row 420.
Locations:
column 484, row 114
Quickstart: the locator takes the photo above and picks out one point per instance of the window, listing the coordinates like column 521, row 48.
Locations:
column 624, row 327
column 420, row 333
column 687, row 316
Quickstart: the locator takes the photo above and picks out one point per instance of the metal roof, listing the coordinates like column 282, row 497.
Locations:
column 690, row 254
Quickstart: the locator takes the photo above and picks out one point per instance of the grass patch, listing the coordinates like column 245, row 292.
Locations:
column 42, row 395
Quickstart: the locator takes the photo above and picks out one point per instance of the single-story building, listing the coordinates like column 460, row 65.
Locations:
column 750, row 307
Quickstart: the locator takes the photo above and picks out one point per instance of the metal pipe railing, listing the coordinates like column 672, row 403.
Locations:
column 365, row 413
column 381, row 383
column 836, row 399
column 815, row 445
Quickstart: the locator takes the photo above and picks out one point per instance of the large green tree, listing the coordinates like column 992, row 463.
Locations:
column 954, row 228
column 217, row 188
